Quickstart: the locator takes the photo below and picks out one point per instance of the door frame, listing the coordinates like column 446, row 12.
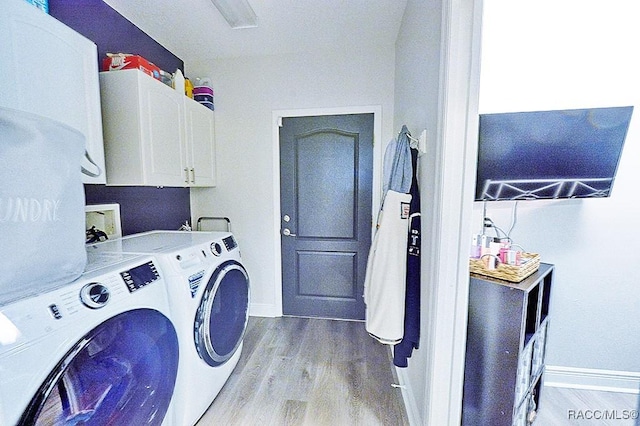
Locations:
column 277, row 116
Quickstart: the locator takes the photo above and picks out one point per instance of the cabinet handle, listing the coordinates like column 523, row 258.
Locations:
column 186, row 175
column 193, row 175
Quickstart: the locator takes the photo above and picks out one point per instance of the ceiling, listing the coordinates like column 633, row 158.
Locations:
column 194, row 29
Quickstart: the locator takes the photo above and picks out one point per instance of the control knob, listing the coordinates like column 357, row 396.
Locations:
column 216, row 249
column 94, row 295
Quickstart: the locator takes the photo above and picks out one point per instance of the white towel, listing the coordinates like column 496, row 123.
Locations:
column 385, row 280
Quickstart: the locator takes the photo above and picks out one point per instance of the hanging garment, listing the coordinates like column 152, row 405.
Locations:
column 384, row 283
column 397, row 168
column 384, row 286
column 411, row 339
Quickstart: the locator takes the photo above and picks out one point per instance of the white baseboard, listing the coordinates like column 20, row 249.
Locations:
column 263, row 310
column 408, row 397
column 592, row 379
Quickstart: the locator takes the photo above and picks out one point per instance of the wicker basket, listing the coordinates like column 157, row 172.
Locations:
column 514, row 274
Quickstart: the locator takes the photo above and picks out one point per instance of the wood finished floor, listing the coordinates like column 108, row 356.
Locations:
column 302, row 371
column 314, row 372
column 559, row 407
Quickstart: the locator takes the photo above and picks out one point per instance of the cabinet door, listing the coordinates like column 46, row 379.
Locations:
column 50, row 70
column 200, row 137
column 162, row 135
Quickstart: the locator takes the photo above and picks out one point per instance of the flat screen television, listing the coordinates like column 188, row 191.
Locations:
column 550, row 154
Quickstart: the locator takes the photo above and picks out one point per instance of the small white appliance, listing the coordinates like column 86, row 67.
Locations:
column 101, row 350
column 208, row 290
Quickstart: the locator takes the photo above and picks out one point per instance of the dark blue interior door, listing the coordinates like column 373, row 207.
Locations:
column 326, row 172
column 122, row 372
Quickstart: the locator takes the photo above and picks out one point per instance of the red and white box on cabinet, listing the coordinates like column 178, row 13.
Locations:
column 124, row 61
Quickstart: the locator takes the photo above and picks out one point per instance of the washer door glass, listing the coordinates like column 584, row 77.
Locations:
column 222, row 316
column 121, row 373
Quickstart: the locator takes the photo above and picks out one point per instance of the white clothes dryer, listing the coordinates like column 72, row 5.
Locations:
column 101, row 350
column 208, row 290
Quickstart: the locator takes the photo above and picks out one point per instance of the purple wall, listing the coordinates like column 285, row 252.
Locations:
column 111, row 32
column 141, row 208
column 144, row 208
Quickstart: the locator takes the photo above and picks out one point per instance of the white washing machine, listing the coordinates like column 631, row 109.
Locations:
column 208, row 290
column 101, row 350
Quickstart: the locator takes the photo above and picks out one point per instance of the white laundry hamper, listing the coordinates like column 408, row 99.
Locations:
column 42, row 215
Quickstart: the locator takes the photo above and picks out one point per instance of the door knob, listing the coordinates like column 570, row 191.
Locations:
column 287, row 232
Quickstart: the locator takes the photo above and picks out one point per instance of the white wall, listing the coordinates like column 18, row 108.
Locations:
column 247, row 90
column 546, row 54
column 416, row 105
column 437, row 73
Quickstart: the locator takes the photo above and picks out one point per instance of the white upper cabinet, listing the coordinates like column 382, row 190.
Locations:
column 48, row 69
column 154, row 135
column 200, row 152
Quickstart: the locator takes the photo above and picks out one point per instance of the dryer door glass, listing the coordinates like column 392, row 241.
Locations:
column 121, row 373
column 223, row 313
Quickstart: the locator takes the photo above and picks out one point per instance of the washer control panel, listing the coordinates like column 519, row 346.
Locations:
column 140, row 276
column 229, row 243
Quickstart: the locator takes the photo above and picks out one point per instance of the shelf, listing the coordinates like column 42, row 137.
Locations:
column 539, row 350
column 546, row 296
column 531, row 320
column 506, row 347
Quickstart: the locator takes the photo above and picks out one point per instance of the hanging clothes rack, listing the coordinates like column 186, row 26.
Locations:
column 420, row 143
